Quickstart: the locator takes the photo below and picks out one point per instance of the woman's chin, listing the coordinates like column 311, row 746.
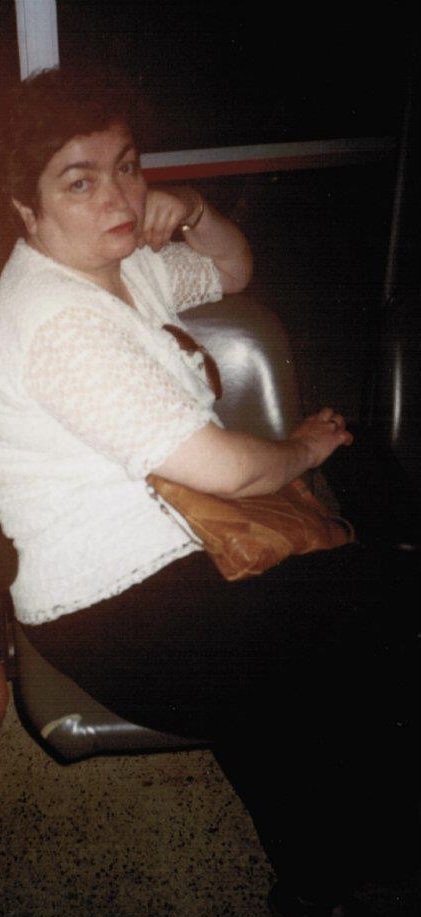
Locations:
column 123, row 245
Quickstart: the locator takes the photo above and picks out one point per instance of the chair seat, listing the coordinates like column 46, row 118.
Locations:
column 73, row 724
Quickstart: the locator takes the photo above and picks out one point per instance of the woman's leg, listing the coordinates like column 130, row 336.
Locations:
column 338, row 801
column 292, row 674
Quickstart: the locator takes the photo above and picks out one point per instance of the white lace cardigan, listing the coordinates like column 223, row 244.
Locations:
column 93, row 395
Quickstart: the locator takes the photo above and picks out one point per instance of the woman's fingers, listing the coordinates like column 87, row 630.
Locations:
column 335, row 422
column 323, row 432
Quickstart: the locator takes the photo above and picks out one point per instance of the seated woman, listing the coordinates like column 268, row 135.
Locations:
column 94, row 395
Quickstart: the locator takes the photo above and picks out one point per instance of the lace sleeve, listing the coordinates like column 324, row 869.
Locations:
column 194, row 278
column 108, row 391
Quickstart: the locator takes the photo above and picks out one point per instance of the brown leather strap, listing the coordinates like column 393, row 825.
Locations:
column 187, row 342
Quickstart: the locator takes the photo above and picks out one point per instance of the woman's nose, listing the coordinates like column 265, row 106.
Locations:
column 113, row 194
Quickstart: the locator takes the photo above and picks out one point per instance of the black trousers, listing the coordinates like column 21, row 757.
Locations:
column 305, row 681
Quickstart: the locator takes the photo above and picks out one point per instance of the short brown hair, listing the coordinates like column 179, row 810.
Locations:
column 51, row 107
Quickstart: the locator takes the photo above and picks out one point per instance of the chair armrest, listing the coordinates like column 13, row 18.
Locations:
column 252, row 349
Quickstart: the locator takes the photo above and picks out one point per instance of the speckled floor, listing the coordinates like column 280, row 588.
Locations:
column 123, row 836
column 134, row 837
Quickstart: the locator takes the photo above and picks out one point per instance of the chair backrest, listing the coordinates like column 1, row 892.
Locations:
column 252, row 350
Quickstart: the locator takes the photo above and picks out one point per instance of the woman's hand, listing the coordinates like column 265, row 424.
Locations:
column 322, row 433
column 167, row 211
column 209, row 232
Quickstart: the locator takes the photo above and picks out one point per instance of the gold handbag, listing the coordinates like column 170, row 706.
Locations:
column 247, row 535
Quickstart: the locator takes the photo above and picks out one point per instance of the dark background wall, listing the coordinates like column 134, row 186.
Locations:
column 220, row 74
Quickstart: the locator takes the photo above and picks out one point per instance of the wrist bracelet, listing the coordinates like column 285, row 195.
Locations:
column 185, row 227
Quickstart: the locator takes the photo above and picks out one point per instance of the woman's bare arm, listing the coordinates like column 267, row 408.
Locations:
column 234, row 464
column 213, row 234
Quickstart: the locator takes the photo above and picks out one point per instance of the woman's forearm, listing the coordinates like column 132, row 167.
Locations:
column 234, row 464
column 223, row 241
column 205, row 229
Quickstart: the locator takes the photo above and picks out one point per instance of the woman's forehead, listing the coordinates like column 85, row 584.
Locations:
column 96, row 148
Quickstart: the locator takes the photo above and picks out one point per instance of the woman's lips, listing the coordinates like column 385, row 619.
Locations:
column 123, row 228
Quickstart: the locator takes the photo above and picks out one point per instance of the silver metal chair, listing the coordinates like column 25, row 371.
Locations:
column 252, row 350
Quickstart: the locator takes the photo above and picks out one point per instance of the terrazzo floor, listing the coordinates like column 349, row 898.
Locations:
column 135, row 836
column 123, row 836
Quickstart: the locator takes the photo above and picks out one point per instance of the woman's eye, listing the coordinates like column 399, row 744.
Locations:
column 129, row 168
column 80, row 185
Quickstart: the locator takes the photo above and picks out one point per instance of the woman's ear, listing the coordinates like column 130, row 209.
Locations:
column 27, row 216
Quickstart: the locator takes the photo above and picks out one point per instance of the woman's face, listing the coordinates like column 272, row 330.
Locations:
column 91, row 202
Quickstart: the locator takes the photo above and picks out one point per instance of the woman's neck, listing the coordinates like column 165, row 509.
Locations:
column 117, row 287
column 109, row 278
